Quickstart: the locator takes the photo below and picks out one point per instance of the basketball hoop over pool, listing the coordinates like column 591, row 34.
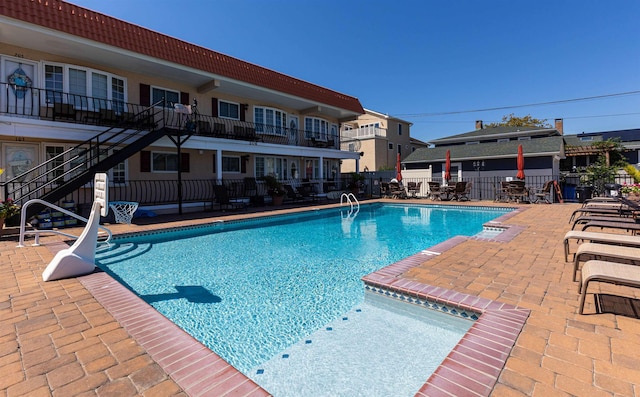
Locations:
column 123, row 210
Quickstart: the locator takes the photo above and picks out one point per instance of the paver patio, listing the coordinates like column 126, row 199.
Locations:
column 56, row 339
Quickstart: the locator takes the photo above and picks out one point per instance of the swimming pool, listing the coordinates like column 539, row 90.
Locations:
column 250, row 289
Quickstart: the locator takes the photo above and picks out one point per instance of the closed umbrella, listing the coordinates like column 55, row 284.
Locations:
column 447, row 167
column 520, row 174
column 398, row 170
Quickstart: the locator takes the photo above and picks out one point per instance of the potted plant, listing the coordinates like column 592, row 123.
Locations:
column 355, row 182
column 274, row 189
column 7, row 209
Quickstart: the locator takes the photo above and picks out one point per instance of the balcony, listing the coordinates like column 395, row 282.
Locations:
column 363, row 133
column 55, row 106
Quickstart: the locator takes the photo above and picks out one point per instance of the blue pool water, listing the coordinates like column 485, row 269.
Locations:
column 250, row 289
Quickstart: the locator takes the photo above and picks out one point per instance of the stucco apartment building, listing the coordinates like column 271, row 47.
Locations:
column 82, row 92
column 379, row 138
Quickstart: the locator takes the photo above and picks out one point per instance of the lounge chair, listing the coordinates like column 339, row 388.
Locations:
column 601, row 238
column 612, row 253
column 435, row 191
column 581, row 220
column 620, row 209
column 544, row 193
column 627, row 226
column 222, row 198
column 607, row 272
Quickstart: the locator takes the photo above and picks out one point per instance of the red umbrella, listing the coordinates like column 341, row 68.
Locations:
column 398, row 169
column 447, row 167
column 520, row 174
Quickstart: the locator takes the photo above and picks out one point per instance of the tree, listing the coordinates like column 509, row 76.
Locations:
column 524, row 121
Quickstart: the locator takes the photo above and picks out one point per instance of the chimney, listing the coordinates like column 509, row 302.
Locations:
column 559, row 126
column 479, row 124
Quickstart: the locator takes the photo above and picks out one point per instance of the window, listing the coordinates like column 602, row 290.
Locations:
column 164, row 162
column 231, row 164
column 118, row 174
column 170, row 97
column 270, row 121
column 276, row 166
column 83, row 84
column 472, row 143
column 399, row 129
column 316, row 128
column 399, row 149
column 53, row 83
column 524, row 138
column 229, row 110
column 586, row 138
column 390, row 146
column 502, row 140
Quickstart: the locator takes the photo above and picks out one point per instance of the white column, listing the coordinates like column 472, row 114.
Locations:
column 219, row 166
column 320, row 170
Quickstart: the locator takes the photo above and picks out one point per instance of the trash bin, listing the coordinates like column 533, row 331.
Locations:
column 612, row 189
column 583, row 193
column 569, row 192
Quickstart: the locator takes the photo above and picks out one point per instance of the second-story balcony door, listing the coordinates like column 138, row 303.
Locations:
column 293, row 130
column 21, row 77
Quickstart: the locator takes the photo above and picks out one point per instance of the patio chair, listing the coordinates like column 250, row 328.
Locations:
column 413, row 188
column 464, row 196
column 222, row 198
column 607, row 272
column 434, row 191
column 612, row 253
column 601, row 238
column 459, row 190
column 397, row 190
column 518, row 191
column 544, row 193
column 292, row 194
column 502, row 192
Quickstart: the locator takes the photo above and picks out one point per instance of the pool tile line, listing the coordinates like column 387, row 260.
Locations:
column 193, row 366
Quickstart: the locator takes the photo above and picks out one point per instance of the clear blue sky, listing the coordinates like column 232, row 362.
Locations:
column 415, row 58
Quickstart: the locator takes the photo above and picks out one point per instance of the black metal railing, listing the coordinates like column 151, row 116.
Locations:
column 75, row 167
column 82, row 109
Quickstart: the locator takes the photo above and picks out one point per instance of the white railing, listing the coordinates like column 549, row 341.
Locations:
column 354, row 205
column 37, row 232
column 363, row 132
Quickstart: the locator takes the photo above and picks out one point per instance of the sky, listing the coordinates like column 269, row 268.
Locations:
column 440, row 65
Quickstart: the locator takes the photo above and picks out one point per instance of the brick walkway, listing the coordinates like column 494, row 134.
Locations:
column 56, row 339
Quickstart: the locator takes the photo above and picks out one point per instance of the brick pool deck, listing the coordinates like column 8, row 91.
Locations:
column 56, row 338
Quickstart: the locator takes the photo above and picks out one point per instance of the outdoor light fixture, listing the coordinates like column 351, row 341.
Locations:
column 479, row 165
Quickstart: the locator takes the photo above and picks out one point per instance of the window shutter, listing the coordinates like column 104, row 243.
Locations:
column 243, row 110
column 214, row 108
column 184, row 98
column 145, row 161
column 214, row 163
column 145, row 94
column 243, row 165
column 184, row 162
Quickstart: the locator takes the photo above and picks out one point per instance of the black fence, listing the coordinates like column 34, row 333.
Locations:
column 201, row 191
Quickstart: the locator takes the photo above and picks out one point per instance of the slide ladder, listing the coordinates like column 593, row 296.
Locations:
column 80, row 258
column 37, row 232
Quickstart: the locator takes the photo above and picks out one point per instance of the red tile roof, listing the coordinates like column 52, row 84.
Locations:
column 79, row 21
